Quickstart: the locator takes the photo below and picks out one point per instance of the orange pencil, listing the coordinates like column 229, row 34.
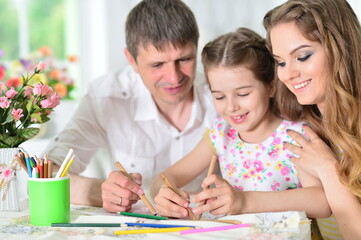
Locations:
column 41, row 168
column 45, row 166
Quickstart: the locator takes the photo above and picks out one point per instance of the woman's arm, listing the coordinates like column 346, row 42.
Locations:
column 317, row 159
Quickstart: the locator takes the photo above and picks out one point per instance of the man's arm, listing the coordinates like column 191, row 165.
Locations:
column 85, row 191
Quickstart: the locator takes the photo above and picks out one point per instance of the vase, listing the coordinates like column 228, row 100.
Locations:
column 9, row 200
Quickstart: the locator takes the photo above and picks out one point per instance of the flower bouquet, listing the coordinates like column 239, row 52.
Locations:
column 22, row 105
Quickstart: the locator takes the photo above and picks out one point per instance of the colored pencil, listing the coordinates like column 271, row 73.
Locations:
column 155, row 230
column 210, row 171
column 170, row 185
column 45, row 166
column 22, row 164
column 142, row 197
column 142, row 215
column 66, row 169
column 30, row 168
column 50, row 169
column 212, row 229
column 65, row 162
column 41, row 169
column 152, row 225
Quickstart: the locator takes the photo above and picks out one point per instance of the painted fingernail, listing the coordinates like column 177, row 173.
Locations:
column 140, row 191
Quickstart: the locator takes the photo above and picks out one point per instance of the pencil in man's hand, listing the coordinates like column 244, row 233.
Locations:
column 142, row 197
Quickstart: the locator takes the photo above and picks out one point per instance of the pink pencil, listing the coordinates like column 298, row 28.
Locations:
column 212, row 229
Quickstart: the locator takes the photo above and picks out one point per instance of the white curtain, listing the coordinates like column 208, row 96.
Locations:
column 102, row 27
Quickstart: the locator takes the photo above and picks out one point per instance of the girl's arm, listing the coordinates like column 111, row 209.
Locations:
column 312, row 200
column 185, row 170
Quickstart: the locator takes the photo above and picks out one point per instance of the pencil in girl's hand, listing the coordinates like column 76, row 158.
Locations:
column 142, row 197
column 170, row 185
column 210, row 171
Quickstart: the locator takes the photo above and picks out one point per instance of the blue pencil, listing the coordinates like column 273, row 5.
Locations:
column 152, row 225
column 27, row 160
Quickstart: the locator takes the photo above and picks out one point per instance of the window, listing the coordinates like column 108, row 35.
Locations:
column 40, row 30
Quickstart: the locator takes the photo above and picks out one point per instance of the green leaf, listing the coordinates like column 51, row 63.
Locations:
column 28, row 106
column 37, row 117
column 28, row 133
column 12, row 141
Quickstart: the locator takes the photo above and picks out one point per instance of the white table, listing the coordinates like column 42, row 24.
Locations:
column 270, row 226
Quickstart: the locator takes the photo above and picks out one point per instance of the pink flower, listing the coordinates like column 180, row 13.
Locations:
column 51, row 102
column 2, row 87
column 37, row 89
column 46, row 91
column 7, row 173
column 4, row 103
column 2, row 72
column 285, row 170
column 247, row 164
column 40, row 67
column 46, row 103
column 28, row 92
column 258, row 165
column 275, row 186
column 17, row 113
column 55, row 100
column 11, row 93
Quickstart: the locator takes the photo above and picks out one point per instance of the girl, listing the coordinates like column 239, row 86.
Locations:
column 247, row 137
column 318, row 51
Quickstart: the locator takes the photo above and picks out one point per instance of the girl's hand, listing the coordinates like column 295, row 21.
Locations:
column 169, row 204
column 223, row 199
column 314, row 154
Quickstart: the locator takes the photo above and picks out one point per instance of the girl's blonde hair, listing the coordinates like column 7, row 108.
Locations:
column 335, row 26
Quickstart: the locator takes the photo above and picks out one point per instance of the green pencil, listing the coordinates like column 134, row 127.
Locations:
column 142, row 215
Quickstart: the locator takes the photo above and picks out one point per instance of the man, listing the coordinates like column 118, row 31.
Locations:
column 149, row 115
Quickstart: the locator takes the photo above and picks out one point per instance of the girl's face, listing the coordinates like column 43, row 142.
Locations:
column 242, row 100
column 302, row 64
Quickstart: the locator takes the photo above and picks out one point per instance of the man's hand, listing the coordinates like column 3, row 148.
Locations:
column 119, row 192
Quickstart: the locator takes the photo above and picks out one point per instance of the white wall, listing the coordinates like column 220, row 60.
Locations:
column 102, row 27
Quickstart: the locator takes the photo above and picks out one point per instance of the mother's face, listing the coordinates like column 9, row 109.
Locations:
column 301, row 64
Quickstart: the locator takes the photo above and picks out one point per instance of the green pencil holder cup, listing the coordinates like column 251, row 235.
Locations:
column 49, row 200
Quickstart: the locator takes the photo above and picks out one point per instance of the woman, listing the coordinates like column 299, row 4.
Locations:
column 317, row 47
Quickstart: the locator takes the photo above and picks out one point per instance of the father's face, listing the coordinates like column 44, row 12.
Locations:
column 168, row 74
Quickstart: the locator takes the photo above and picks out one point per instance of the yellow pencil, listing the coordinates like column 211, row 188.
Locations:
column 65, row 171
column 154, row 230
